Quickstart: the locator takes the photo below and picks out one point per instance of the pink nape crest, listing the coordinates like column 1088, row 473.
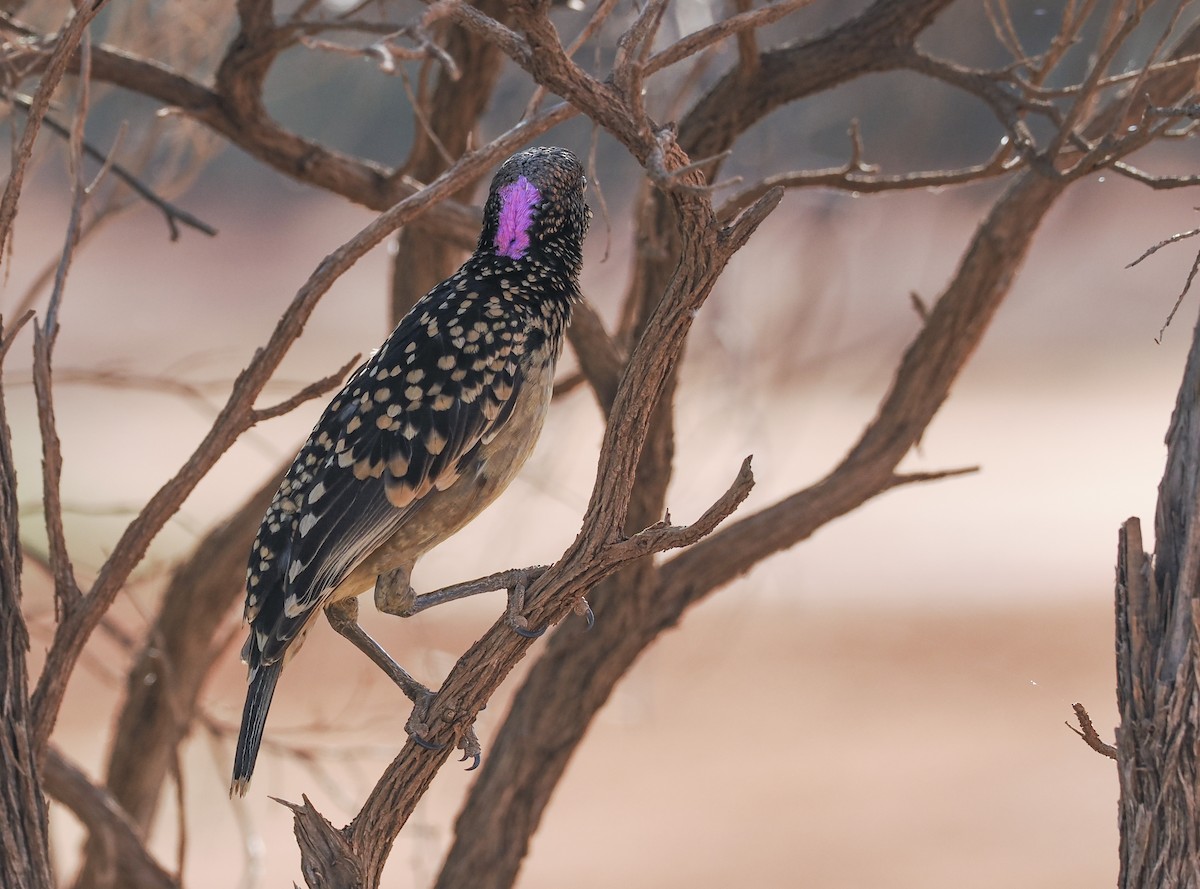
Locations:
column 517, row 200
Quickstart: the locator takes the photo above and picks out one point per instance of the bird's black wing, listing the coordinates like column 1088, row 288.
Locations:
column 405, row 424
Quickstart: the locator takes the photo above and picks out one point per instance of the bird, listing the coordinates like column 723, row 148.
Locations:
column 423, row 435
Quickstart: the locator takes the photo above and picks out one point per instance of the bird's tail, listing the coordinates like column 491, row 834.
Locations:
column 254, row 717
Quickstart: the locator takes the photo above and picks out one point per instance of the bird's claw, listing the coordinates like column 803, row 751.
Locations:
column 583, row 608
column 516, row 604
column 469, row 744
column 417, row 729
column 521, row 628
column 423, row 743
column 416, row 726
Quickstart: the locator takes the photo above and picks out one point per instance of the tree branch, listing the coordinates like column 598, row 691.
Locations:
column 107, row 823
column 707, row 247
column 24, row 829
column 174, row 215
column 65, row 51
column 234, row 418
column 1087, row 731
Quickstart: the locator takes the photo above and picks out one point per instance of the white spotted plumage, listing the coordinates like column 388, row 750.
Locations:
column 420, row 415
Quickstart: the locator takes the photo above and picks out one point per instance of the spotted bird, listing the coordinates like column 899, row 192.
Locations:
column 422, row 437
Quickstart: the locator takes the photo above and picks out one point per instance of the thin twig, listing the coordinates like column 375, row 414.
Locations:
column 308, row 393
column 722, row 30
column 65, row 48
column 173, row 215
column 1155, row 182
column 845, row 178
column 1087, row 731
column 664, row 535
column 1187, row 284
column 7, row 340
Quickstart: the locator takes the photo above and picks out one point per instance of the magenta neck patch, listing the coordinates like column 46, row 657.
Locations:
column 517, row 200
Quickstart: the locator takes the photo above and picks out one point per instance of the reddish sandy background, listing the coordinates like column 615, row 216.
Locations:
column 882, row 705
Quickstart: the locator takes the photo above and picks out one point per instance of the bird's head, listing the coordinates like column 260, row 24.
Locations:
column 535, row 210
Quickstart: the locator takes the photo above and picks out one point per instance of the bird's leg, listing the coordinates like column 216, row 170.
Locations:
column 516, row 604
column 394, row 594
column 343, row 617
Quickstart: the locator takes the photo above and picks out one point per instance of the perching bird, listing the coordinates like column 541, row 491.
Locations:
column 423, row 436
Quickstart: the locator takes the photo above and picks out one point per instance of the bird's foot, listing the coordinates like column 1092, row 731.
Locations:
column 418, row 729
column 516, row 602
column 418, row 726
column 469, row 745
column 584, row 610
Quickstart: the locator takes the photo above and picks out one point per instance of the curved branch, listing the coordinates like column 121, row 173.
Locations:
column 234, row 418
column 876, row 40
column 165, row 681
column 596, row 553
column 576, row 674
column 849, row 178
column 108, row 824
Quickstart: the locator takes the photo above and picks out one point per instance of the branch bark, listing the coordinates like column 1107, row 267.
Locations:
column 164, row 684
column 108, row 825
column 234, row 418
column 1158, row 743
column 24, row 830
column 574, row 677
column 599, row 550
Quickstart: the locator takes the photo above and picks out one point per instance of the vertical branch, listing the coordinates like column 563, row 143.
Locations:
column 24, row 831
column 65, row 47
column 24, row 827
column 1158, row 745
column 235, row 417
column 164, row 684
column 66, row 590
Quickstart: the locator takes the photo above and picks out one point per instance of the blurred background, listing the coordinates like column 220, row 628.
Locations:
column 921, row 655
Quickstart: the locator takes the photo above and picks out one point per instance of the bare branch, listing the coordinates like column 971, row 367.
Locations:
column 1174, row 239
column 916, row 478
column 1187, row 284
column 67, row 595
column 106, row 822
column 237, row 415
column 65, row 49
column 510, row 43
column 386, row 52
column 744, row 23
column 664, row 535
column 1155, row 182
column 24, row 824
column 1087, row 731
column 308, row 393
column 174, row 215
column 10, row 335
column 848, row 178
